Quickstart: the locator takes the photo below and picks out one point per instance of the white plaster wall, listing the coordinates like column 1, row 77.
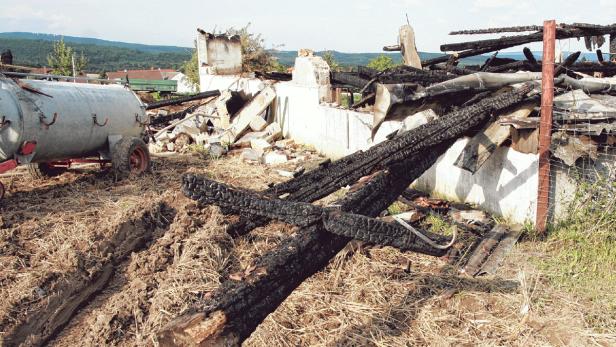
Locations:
column 333, row 132
column 505, row 185
column 233, row 82
column 184, row 85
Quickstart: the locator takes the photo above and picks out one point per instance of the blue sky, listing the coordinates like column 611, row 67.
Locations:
column 348, row 26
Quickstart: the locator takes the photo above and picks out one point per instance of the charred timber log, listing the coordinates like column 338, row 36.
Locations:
column 348, row 78
column 572, row 58
column 302, row 214
column 488, row 62
column 460, row 55
column 460, row 71
column 608, row 69
column 511, row 41
column 177, row 101
column 238, row 307
column 514, row 29
column 172, row 116
column 529, row 56
column 515, row 66
column 274, row 75
column 321, row 182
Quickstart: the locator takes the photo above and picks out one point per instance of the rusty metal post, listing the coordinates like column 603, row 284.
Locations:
column 545, row 129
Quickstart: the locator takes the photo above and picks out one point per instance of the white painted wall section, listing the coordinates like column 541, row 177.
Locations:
column 505, row 185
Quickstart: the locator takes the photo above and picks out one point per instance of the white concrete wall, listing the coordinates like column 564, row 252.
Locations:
column 232, row 82
column 505, row 185
column 333, row 132
column 184, row 85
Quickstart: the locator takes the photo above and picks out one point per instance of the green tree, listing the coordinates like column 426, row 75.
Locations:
column 328, row 56
column 254, row 55
column 61, row 60
column 382, row 62
column 191, row 68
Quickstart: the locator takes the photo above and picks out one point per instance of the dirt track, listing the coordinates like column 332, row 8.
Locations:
column 88, row 261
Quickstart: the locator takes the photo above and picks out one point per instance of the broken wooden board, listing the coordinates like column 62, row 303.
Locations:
column 253, row 109
column 479, row 149
column 408, row 47
column 491, row 251
column 525, row 140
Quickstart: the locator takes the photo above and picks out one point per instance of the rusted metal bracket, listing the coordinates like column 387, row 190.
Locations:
column 95, row 120
column 4, row 123
column 45, row 124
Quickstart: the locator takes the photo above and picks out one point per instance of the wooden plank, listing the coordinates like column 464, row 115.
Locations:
column 479, row 149
column 409, row 49
column 253, row 109
column 545, row 130
column 525, row 140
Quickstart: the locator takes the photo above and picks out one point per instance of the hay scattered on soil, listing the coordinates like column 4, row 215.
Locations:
column 370, row 296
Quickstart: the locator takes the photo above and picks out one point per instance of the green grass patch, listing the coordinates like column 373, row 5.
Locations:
column 438, row 225
column 396, row 208
column 580, row 252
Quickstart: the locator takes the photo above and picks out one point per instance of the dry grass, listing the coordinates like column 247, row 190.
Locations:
column 375, row 296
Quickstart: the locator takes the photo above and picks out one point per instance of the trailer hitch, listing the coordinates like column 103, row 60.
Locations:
column 45, row 124
column 4, row 123
column 95, row 120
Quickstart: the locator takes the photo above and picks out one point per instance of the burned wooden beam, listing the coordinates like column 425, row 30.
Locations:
column 567, row 63
column 460, row 55
column 239, row 306
column 319, row 183
column 564, row 32
column 599, row 56
column 181, row 100
column 530, row 57
column 303, row 214
column 514, row 29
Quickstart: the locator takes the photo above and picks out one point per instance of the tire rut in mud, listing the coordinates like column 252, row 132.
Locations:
column 62, row 296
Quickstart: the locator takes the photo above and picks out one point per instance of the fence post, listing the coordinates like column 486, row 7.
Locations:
column 545, row 129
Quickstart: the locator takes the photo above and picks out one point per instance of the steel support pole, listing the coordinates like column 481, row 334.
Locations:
column 545, row 129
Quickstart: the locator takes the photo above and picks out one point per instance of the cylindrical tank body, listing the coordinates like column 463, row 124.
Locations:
column 86, row 115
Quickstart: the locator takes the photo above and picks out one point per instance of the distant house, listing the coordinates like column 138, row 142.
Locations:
column 183, row 85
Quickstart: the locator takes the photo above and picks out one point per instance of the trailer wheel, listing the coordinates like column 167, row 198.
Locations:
column 40, row 171
column 130, row 156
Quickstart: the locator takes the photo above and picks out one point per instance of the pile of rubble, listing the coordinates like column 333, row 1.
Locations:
column 219, row 123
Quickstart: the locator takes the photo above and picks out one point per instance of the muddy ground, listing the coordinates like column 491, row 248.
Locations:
column 92, row 262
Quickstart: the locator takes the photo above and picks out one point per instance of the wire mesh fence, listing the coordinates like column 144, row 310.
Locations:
column 583, row 153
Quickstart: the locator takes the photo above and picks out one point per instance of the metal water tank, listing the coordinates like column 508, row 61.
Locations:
column 66, row 120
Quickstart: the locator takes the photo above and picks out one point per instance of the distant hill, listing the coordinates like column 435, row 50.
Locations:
column 93, row 41
column 32, row 49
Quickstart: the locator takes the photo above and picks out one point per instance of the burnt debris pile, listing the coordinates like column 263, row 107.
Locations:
column 492, row 103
